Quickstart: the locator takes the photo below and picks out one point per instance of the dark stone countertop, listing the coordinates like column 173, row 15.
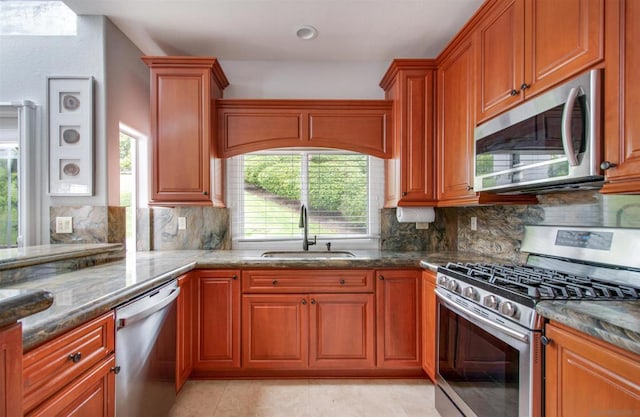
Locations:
column 16, row 304
column 616, row 322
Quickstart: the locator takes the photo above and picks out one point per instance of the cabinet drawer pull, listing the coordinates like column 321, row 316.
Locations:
column 115, row 370
column 524, row 86
column 381, row 277
column 342, row 282
column 514, row 93
column 605, row 165
column 234, row 276
column 404, row 193
column 313, row 301
column 75, row 357
column 469, row 188
column 304, row 302
column 205, row 193
column 274, row 282
column 545, row 340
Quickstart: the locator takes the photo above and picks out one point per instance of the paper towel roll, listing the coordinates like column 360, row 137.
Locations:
column 415, row 214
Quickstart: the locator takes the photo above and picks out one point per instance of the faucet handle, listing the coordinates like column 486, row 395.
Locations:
column 315, row 240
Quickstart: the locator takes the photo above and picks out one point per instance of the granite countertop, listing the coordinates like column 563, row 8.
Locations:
column 11, row 258
column 616, row 322
column 17, row 304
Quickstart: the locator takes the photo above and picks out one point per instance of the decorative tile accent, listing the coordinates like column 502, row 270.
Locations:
column 91, row 224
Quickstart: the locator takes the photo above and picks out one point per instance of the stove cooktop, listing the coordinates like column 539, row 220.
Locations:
column 535, row 284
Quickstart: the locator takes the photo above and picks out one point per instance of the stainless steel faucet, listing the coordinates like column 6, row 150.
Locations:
column 304, row 223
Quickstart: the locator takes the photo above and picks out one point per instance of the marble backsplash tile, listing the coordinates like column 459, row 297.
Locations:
column 206, row 228
column 501, row 228
column 91, row 224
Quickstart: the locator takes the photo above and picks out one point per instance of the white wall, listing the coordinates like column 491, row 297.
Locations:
column 289, row 79
column 127, row 99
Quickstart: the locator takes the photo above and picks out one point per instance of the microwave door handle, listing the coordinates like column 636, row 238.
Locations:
column 567, row 120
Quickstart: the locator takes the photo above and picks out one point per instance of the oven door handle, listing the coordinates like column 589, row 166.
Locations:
column 464, row 312
column 567, row 121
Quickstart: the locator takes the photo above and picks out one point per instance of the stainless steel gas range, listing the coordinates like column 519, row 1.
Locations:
column 490, row 338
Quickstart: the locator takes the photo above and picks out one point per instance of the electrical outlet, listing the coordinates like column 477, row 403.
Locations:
column 474, row 223
column 182, row 223
column 64, row 224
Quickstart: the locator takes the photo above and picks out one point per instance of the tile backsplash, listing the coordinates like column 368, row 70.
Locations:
column 91, row 224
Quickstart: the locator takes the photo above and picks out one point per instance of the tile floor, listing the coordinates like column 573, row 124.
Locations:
column 306, row 398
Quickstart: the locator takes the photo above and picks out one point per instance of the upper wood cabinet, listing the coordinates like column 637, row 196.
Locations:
column 580, row 367
column 622, row 97
column 526, row 46
column 252, row 125
column 410, row 174
column 182, row 89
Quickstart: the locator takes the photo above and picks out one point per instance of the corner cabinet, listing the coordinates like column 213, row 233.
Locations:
column 217, row 339
column 410, row 174
column 622, row 97
column 588, row 377
column 182, row 90
column 11, row 370
column 526, row 46
column 398, row 318
column 429, row 324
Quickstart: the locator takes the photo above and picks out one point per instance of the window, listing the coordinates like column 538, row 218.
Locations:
column 339, row 189
column 37, row 18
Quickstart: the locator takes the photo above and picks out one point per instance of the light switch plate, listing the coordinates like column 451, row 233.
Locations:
column 474, row 223
column 64, row 224
column 182, row 223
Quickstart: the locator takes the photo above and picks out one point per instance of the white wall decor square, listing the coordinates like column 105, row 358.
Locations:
column 70, row 104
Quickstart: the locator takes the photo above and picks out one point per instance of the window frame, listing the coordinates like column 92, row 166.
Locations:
column 235, row 203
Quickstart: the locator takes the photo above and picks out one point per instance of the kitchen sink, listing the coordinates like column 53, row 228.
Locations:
column 307, row 254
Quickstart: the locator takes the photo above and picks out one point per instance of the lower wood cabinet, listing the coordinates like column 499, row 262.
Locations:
column 398, row 318
column 186, row 327
column 11, row 370
column 588, row 377
column 73, row 373
column 217, row 339
column 298, row 331
column 429, row 324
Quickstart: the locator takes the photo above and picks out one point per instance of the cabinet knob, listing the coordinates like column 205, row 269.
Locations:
column 342, row 282
column 304, row 302
column 75, row 357
column 545, row 340
column 205, row 193
column 404, row 193
column 274, row 282
column 469, row 188
column 115, row 370
column 524, row 86
column 606, row 165
column 313, row 301
column 514, row 93
column 234, row 276
column 381, row 277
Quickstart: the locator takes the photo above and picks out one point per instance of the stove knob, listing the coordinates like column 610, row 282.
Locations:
column 442, row 280
column 472, row 293
column 508, row 309
column 491, row 301
column 453, row 286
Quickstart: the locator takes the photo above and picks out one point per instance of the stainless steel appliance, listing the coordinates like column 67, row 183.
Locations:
column 550, row 142
column 146, row 354
column 489, row 335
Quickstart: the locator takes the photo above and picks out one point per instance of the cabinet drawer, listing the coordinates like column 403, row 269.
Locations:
column 53, row 365
column 308, row 280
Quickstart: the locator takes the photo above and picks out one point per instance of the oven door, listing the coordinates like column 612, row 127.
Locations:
column 484, row 367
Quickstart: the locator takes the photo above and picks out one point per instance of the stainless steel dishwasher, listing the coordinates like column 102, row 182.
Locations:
column 146, row 354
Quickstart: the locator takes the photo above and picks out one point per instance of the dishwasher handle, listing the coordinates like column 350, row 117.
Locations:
column 128, row 319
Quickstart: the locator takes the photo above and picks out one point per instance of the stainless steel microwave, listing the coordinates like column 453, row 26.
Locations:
column 550, row 142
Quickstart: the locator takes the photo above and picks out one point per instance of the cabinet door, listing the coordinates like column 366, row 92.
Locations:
column 218, row 320
column 500, row 57
column 622, row 97
column 398, row 318
column 275, row 331
column 181, row 135
column 563, row 38
column 587, row 377
column 91, row 395
column 186, row 327
column 429, row 324
column 11, row 370
column 341, row 331
column 455, row 130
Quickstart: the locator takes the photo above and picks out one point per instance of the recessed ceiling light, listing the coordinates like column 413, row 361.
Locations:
column 306, row 33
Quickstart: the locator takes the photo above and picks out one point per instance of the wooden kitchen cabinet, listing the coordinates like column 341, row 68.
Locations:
column 587, row 377
column 410, row 174
column 363, row 126
column 622, row 97
column 429, row 324
column 73, row 372
column 398, row 318
column 186, row 320
column 11, row 370
column 217, row 342
column 182, row 90
column 526, row 46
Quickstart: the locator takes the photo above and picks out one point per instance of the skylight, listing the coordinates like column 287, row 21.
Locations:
column 37, row 18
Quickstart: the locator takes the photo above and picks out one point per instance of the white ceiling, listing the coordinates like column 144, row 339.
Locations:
column 349, row 30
